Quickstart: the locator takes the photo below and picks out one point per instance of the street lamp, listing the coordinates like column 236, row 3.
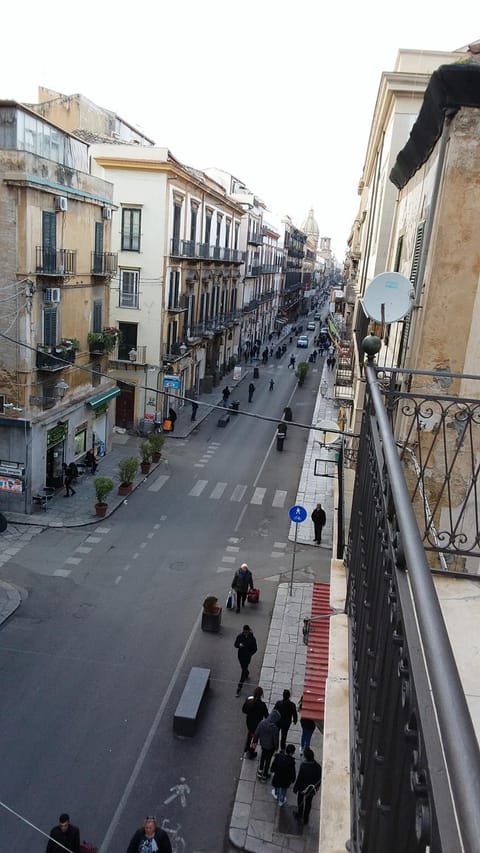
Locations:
column 61, row 389
column 183, row 349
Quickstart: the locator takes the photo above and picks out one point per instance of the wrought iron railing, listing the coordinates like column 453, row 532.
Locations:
column 415, row 761
column 203, row 251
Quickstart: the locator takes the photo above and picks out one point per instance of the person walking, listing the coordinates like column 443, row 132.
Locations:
column 247, row 647
column 271, row 385
column 251, row 389
column 283, row 769
column 67, row 482
column 256, row 710
column 225, row 396
column 306, row 785
column 308, row 728
column 266, row 734
column 91, row 460
column 194, row 411
column 241, row 583
column 288, row 714
column 172, row 416
column 64, row 833
column 150, row 834
column 291, row 363
column 319, row 519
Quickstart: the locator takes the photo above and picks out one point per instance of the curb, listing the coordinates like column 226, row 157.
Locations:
column 10, row 600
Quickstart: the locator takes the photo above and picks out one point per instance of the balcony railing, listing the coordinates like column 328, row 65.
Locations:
column 58, row 263
column 122, row 353
column 414, row 752
column 56, row 358
column 215, row 324
column 255, row 238
column 104, row 264
column 203, row 251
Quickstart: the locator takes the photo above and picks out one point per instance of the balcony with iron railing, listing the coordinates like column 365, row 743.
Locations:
column 57, row 263
column 129, row 353
column 255, row 238
column 104, row 264
column 203, row 251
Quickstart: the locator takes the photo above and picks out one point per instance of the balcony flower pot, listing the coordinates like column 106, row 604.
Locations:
column 103, row 487
column 211, row 615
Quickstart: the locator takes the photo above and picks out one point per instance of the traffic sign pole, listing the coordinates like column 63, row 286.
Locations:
column 293, row 558
column 297, row 514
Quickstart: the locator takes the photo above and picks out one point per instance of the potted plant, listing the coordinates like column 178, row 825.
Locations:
column 127, row 471
column 301, row 372
column 111, row 337
column 96, row 344
column 103, row 487
column 156, row 440
column 146, row 453
column 211, row 614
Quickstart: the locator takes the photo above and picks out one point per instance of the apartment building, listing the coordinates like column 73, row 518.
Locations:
column 55, row 235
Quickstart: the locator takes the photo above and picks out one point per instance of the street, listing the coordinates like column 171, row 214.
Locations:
column 95, row 659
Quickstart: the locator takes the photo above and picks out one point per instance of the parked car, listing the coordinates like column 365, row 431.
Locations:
column 302, row 341
column 324, row 330
column 317, row 316
column 311, row 326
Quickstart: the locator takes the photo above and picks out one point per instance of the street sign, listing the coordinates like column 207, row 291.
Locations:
column 297, row 514
column 172, row 382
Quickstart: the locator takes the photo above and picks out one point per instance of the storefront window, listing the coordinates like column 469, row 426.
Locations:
column 80, row 440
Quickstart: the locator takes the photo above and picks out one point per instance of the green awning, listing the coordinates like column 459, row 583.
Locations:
column 95, row 402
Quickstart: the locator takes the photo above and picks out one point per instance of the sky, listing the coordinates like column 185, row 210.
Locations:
column 281, row 95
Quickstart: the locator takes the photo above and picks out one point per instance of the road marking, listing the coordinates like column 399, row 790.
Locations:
column 233, row 539
column 73, row 561
column 223, row 569
column 279, row 498
column 198, row 488
column 229, row 559
column 158, row 483
column 218, row 491
column 258, row 496
column 150, row 535
column 135, row 556
column 214, row 444
column 279, row 544
column 163, row 518
column 103, row 529
column 93, row 539
column 82, row 550
column 118, row 579
column 156, row 526
column 62, row 573
column 143, row 544
column 238, row 493
column 198, row 465
column 204, row 459
column 277, row 554
column 233, row 548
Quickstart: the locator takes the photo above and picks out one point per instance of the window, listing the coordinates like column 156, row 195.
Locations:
column 237, row 226
column 219, row 228
column 177, row 218
column 97, row 321
column 80, row 440
column 129, row 281
column 193, row 221
column 131, row 220
column 228, row 225
column 173, row 298
column 50, row 325
column 208, row 226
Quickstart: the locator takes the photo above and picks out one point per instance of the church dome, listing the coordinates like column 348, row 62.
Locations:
column 310, row 226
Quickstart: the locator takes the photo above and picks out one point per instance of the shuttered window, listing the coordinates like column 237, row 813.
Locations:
column 131, row 222
column 50, row 325
column 97, row 325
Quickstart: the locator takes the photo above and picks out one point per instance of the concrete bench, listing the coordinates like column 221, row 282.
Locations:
column 188, row 708
column 223, row 420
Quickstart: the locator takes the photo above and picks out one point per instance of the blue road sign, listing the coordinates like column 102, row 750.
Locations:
column 172, row 382
column 297, row 514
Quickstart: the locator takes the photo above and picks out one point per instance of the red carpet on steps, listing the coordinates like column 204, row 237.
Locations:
column 316, row 669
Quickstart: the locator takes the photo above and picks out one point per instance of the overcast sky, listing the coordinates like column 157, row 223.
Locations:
column 280, row 94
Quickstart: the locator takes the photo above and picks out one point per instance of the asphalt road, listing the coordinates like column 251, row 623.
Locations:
column 93, row 664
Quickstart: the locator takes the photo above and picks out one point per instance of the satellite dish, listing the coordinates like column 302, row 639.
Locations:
column 392, row 291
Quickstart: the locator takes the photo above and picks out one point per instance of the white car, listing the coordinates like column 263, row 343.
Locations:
column 311, row 326
column 302, row 341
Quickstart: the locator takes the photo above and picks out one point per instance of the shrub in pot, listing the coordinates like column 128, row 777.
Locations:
column 301, row 372
column 127, row 471
column 211, row 614
column 103, row 487
column 156, row 441
column 146, row 453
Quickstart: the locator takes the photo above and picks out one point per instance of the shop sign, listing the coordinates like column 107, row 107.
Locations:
column 57, row 434
column 11, row 477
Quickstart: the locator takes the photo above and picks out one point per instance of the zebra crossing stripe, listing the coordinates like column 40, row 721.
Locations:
column 258, row 496
column 198, row 488
column 279, row 499
column 238, row 493
column 158, row 483
column 218, row 491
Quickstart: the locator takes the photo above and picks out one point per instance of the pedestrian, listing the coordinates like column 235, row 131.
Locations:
column 150, row 834
column 271, row 385
column 306, row 785
column 251, row 389
column 242, row 582
column 256, row 710
column 332, row 362
column 288, row 714
column 194, row 411
column 271, row 352
column 64, row 833
column 308, row 728
column 266, row 734
column 225, row 396
column 291, row 363
column 73, row 470
column 283, row 769
column 245, row 356
column 319, row 518
column 247, row 647
column 67, row 482
column 172, row 416
column 91, row 460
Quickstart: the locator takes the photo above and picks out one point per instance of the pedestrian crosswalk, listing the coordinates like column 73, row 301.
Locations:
column 258, row 495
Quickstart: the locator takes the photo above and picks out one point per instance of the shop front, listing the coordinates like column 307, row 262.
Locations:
column 99, row 404
column 56, row 438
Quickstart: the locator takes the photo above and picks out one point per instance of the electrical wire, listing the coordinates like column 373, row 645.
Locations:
column 36, row 828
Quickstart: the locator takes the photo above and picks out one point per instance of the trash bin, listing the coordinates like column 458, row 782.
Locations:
column 287, row 414
column 280, row 440
column 235, row 405
column 256, row 373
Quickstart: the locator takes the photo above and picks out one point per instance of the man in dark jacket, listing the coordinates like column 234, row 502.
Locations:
column 247, row 646
column 65, row 833
column 256, row 710
column 283, row 769
column 319, row 518
column 242, row 580
column 288, row 712
column 307, row 784
column 266, row 734
column 148, row 833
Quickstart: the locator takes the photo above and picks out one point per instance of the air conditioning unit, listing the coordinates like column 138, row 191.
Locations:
column 51, row 294
column 61, row 203
column 106, row 212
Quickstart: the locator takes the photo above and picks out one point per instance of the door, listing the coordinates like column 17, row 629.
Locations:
column 128, row 341
column 49, row 241
column 125, row 406
column 98, row 253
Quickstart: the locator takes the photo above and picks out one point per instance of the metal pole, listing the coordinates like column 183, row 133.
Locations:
column 293, row 558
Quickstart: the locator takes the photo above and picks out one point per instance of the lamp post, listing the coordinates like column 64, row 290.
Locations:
column 61, row 389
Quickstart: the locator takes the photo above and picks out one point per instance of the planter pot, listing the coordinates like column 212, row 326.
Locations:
column 145, row 467
column 124, row 488
column 100, row 510
column 156, row 457
column 211, row 621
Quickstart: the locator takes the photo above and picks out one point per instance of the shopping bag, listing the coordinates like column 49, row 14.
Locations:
column 230, row 600
column 253, row 596
column 167, row 425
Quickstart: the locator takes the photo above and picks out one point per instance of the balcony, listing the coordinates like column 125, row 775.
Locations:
column 129, row 353
column 255, row 239
column 54, row 358
column 58, row 263
column 203, row 251
column 104, row 264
